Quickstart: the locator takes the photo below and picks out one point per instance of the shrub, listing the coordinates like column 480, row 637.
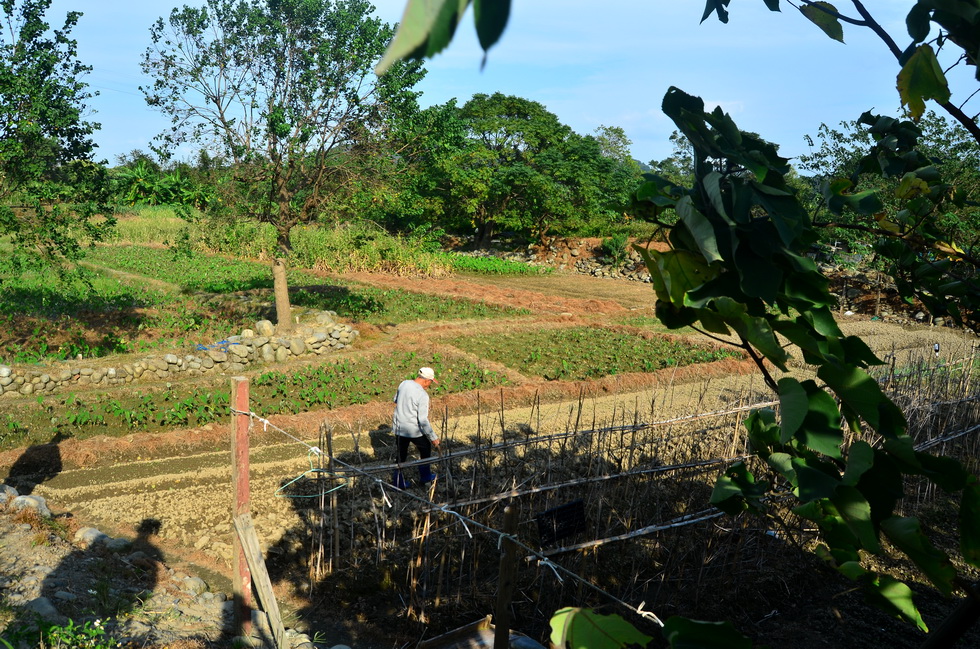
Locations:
column 614, row 248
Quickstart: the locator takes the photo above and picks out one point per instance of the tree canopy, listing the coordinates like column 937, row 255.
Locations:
column 50, row 190
column 285, row 91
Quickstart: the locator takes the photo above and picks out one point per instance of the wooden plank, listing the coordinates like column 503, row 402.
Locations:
column 260, row 576
column 241, row 577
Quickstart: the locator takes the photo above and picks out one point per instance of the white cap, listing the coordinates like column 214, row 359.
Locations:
column 427, row 373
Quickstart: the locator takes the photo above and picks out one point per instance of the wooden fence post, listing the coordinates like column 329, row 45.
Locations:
column 242, row 576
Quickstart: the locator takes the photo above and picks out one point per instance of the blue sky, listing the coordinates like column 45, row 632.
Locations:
column 590, row 63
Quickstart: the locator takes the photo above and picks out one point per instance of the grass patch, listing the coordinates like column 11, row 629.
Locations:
column 579, row 353
column 348, row 247
column 150, row 224
column 331, row 385
column 215, row 274
column 647, row 323
column 490, row 265
column 43, row 319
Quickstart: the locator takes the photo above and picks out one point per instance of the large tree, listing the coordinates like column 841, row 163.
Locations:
column 284, row 90
column 50, row 190
column 509, row 164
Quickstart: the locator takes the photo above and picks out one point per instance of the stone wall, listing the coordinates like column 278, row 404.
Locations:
column 236, row 354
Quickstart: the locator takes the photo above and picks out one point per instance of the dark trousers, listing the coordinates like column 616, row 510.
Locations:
column 425, row 450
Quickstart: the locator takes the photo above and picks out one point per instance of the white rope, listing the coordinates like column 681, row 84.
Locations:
column 462, row 520
column 266, row 424
column 548, row 564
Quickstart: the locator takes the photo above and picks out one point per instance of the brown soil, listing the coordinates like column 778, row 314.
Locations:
column 181, row 477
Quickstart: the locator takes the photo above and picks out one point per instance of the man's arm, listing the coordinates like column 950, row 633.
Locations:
column 424, row 425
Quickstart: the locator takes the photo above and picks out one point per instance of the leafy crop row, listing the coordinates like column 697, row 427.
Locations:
column 578, row 353
column 328, row 386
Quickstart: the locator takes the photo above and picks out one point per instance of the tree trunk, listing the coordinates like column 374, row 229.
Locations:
column 280, row 288
column 484, row 233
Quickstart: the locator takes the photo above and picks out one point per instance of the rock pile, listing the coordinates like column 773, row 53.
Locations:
column 118, row 585
column 253, row 346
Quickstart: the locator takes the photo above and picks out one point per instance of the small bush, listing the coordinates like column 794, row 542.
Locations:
column 614, row 248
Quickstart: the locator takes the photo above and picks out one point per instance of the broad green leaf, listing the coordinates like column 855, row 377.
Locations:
column 758, row 275
column 712, row 322
column 821, row 431
column 802, row 337
column 823, row 322
column 763, row 431
column 946, row 472
column 852, row 570
column 856, row 512
column 807, row 290
column 814, row 482
column 862, row 393
column 857, row 351
column 893, row 596
column 782, row 463
column 882, row 484
column 581, row 628
column 817, row 13
column 655, row 190
column 700, row 228
column 906, row 534
column 426, row 28
column 491, row 19
column 922, row 78
column 755, row 330
column 682, row 633
column 970, row 523
column 917, row 22
column 860, row 458
column 793, row 407
column 712, row 187
column 682, row 271
column 736, row 490
column 652, row 260
column 867, row 202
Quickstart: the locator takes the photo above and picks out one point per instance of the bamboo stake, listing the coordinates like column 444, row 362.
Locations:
column 334, row 517
column 505, row 580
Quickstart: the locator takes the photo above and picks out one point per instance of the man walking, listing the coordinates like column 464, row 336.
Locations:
column 411, row 423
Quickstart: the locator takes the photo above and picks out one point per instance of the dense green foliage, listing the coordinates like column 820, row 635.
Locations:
column 947, row 146
column 737, row 266
column 505, row 165
column 51, row 193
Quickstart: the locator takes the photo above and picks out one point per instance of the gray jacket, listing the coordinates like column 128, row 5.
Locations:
column 411, row 417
